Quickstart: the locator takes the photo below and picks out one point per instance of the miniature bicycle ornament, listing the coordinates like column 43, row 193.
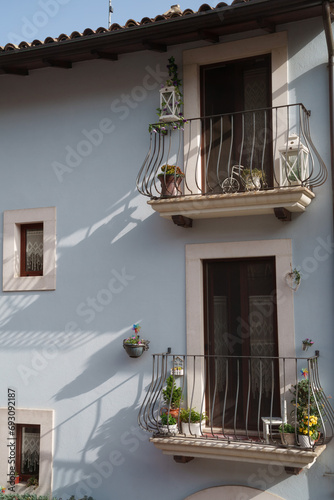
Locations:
column 232, row 183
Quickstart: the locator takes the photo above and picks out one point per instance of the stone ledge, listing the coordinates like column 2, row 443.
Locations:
column 294, row 199
column 238, row 452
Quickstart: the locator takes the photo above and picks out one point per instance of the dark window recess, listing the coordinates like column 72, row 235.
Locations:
column 232, row 87
column 32, row 249
column 241, row 321
column 27, row 451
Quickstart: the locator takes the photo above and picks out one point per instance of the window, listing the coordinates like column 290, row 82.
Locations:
column 31, row 260
column 278, row 252
column 29, row 249
column 35, row 429
column 27, row 451
column 240, row 320
column 243, row 67
column 230, row 87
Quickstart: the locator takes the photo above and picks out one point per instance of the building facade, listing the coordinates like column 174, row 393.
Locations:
column 209, row 270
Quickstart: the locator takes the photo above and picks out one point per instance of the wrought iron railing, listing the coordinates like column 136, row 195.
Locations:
column 245, row 398
column 206, row 150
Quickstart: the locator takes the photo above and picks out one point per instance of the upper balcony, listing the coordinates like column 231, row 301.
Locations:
column 246, row 163
column 245, row 400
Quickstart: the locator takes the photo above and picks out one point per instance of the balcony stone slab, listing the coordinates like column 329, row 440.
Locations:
column 294, row 199
column 258, row 453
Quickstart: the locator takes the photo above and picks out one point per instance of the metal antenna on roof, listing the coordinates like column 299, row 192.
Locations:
column 111, row 10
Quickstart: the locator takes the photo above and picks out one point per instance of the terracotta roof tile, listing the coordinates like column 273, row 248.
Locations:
column 116, row 27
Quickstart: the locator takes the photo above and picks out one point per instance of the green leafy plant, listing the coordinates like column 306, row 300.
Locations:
column 167, row 419
column 287, row 428
column 254, row 172
column 172, row 394
column 33, row 481
column 190, row 415
column 172, row 81
column 171, row 170
column 303, row 400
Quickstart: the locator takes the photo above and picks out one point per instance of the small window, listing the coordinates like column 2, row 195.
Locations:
column 31, row 260
column 28, row 451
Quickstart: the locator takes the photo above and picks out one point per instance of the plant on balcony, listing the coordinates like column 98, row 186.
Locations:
column 172, row 396
column 135, row 345
column 169, row 112
column 287, row 432
column 254, row 178
column 303, row 399
column 191, row 421
column 308, row 430
column 168, row 424
column 170, row 178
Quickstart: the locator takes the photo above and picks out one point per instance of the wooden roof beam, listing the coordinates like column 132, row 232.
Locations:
column 14, row 71
column 100, row 54
column 266, row 25
column 56, row 63
column 209, row 36
column 156, row 47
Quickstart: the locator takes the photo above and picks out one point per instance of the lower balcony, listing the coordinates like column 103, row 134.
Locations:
column 266, row 410
column 248, row 163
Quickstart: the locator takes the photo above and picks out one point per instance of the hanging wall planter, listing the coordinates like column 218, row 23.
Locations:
column 135, row 346
column 293, row 279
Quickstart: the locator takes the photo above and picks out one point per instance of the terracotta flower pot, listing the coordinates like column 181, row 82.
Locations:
column 170, row 185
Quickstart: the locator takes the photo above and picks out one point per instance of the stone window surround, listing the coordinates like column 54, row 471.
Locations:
column 44, row 418
column 12, row 281
column 276, row 44
column 281, row 249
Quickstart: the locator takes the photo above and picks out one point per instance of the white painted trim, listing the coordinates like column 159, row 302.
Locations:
column 11, row 280
column 44, row 418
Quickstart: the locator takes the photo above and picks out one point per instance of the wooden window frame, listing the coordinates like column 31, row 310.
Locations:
column 19, row 427
column 24, row 228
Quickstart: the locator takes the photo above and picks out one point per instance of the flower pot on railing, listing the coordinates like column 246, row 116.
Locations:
column 254, row 179
column 170, row 179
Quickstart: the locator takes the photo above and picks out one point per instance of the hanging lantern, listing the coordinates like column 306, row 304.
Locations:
column 169, row 104
column 294, row 164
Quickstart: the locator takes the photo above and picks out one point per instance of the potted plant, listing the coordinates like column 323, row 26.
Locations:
column 287, row 432
column 135, row 345
column 170, row 177
column 308, row 430
column 172, row 396
column 293, row 279
column 17, row 478
column 307, row 343
column 191, row 421
column 168, row 424
column 254, row 178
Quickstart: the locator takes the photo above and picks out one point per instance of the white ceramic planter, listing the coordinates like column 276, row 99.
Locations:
column 305, row 441
column 168, row 429
column 191, row 429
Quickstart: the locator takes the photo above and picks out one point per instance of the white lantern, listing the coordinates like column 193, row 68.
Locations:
column 169, row 104
column 294, row 162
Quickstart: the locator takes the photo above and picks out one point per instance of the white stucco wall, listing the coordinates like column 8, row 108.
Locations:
column 119, row 263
